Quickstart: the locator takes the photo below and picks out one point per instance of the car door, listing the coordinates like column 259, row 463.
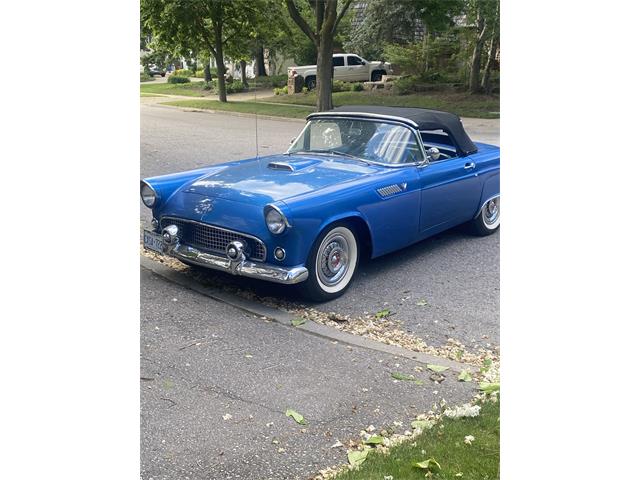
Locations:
column 339, row 68
column 450, row 192
column 357, row 70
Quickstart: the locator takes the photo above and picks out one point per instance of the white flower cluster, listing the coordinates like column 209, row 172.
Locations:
column 466, row 410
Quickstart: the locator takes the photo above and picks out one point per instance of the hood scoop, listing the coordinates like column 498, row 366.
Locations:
column 293, row 164
column 280, row 166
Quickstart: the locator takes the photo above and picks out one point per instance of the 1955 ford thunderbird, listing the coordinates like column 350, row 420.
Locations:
column 359, row 181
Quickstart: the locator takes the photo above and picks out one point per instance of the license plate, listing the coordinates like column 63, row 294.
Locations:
column 153, row 241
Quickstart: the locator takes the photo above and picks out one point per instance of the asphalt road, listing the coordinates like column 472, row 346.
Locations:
column 456, row 274
column 215, row 383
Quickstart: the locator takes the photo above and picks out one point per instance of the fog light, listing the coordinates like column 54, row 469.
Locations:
column 170, row 234
column 235, row 250
column 279, row 253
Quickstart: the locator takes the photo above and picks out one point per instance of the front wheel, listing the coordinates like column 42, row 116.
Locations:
column 332, row 262
column 311, row 82
column 488, row 221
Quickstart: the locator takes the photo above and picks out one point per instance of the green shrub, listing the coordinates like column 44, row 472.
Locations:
column 340, row 86
column 235, row 87
column 145, row 77
column 199, row 74
column 212, row 85
column 182, row 72
column 275, row 81
column 178, row 79
column 410, row 59
column 276, row 91
column 357, row 87
column 281, row 91
column 405, row 85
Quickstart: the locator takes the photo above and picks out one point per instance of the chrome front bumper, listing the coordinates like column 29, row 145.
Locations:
column 246, row 268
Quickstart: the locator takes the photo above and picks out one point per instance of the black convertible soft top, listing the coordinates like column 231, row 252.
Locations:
column 419, row 118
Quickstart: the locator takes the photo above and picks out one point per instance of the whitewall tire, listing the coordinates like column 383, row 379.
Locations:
column 332, row 262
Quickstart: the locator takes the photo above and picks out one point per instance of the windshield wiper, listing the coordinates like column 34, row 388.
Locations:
column 344, row 154
column 333, row 153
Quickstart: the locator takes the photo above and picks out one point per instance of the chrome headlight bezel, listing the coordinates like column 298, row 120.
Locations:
column 275, row 220
column 148, row 194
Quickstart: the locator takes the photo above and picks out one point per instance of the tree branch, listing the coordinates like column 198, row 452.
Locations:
column 341, row 14
column 297, row 18
column 328, row 25
column 320, row 9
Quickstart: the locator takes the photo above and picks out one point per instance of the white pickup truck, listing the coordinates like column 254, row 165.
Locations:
column 347, row 67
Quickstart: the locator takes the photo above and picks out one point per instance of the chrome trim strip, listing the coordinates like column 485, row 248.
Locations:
column 270, row 273
column 253, row 237
column 485, row 202
column 363, row 114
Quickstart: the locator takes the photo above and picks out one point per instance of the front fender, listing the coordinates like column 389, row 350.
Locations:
column 167, row 185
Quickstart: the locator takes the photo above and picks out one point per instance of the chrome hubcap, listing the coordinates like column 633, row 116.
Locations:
column 333, row 261
column 491, row 211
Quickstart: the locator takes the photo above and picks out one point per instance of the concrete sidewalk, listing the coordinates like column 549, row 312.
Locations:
column 215, row 383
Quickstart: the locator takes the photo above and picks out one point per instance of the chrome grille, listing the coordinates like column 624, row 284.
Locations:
column 214, row 239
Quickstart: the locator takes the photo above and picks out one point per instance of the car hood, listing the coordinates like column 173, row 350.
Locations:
column 278, row 177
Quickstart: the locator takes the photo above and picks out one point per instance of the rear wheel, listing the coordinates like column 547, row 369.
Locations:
column 376, row 76
column 332, row 262
column 488, row 221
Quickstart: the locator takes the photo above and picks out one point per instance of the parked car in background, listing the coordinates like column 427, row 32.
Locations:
column 347, row 67
column 358, row 182
column 155, row 70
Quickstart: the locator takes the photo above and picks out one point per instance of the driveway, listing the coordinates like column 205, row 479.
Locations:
column 216, row 381
column 456, row 275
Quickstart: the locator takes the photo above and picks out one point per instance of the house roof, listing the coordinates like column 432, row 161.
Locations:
column 419, row 118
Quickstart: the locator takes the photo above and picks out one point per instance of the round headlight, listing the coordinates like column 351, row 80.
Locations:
column 148, row 195
column 276, row 223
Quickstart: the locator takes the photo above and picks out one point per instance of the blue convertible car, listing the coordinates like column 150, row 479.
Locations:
column 357, row 182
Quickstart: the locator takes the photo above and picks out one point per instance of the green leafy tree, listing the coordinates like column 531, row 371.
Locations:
column 396, row 22
column 484, row 15
column 197, row 25
column 327, row 19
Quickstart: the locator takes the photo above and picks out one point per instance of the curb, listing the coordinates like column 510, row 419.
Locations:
column 284, row 318
column 227, row 112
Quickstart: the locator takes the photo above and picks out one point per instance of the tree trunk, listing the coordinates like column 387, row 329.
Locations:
column 324, row 75
column 476, row 58
column 486, row 75
column 207, row 72
column 243, row 72
column 222, row 86
column 425, row 46
column 261, row 70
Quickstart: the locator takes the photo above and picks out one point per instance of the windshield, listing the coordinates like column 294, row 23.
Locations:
column 366, row 140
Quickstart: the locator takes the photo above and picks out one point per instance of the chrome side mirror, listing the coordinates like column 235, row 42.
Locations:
column 433, row 153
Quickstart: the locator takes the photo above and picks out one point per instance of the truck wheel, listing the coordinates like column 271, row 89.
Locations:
column 488, row 221
column 376, row 76
column 310, row 82
column 332, row 262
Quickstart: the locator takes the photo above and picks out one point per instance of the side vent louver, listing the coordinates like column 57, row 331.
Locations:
column 392, row 189
column 280, row 166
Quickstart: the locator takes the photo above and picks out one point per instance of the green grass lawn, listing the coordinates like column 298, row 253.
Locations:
column 144, row 94
column 289, row 111
column 478, row 461
column 463, row 104
column 193, row 89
